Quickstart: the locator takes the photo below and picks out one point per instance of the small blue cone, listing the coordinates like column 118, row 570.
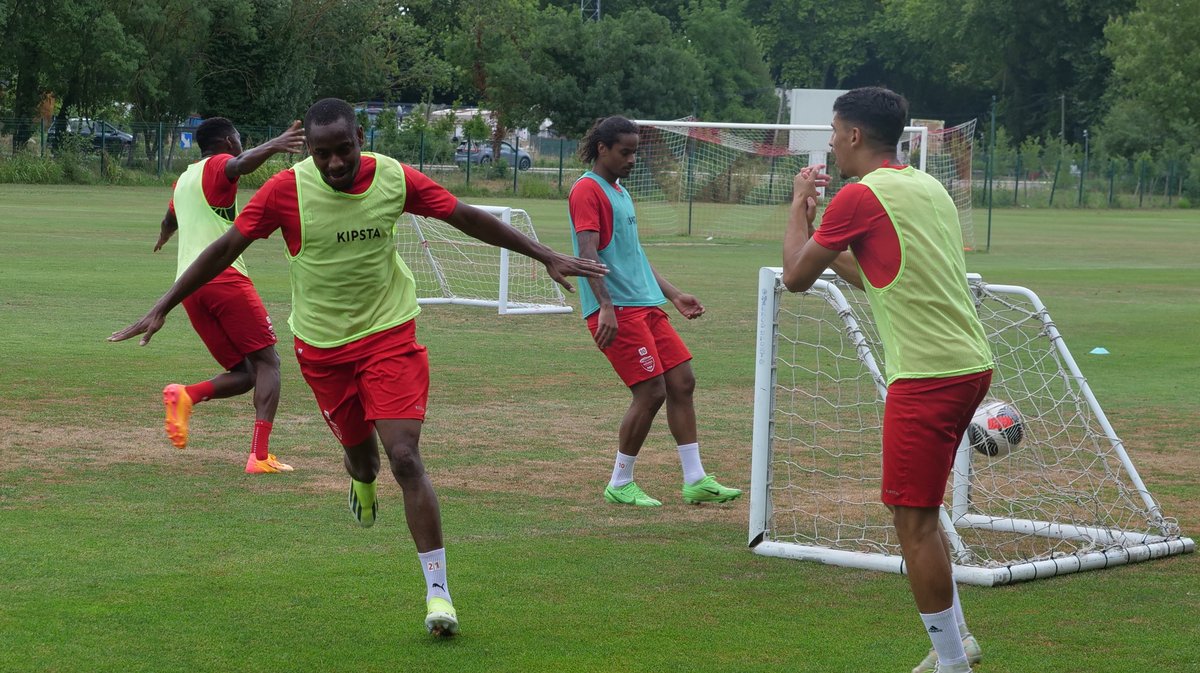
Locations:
column 1098, row 350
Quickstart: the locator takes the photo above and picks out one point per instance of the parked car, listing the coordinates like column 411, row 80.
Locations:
column 481, row 153
column 101, row 133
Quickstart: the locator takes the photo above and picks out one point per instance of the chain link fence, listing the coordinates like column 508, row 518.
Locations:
column 1052, row 175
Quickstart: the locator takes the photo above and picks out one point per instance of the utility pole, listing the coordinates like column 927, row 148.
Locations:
column 590, row 9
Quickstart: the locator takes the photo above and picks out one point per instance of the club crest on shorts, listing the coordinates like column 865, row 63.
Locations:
column 647, row 360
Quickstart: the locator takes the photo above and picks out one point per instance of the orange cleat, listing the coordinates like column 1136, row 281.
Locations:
column 268, row 466
column 179, row 409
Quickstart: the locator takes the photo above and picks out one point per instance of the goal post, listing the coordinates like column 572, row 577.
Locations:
column 733, row 180
column 450, row 267
column 1067, row 498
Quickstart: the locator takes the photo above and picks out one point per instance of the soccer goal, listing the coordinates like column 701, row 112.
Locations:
column 735, row 180
column 1065, row 498
column 451, row 267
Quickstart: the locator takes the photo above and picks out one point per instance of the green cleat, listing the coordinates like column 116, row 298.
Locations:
column 930, row 662
column 362, row 502
column 630, row 494
column 708, row 490
column 440, row 617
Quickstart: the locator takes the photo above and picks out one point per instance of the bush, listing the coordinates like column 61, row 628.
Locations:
column 30, row 169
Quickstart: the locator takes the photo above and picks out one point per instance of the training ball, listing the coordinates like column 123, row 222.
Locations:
column 995, row 429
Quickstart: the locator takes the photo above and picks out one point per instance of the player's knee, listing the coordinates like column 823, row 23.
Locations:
column 265, row 358
column 916, row 523
column 651, row 394
column 682, row 386
column 405, row 462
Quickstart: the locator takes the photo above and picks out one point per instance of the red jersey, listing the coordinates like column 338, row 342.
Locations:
column 591, row 210
column 276, row 206
column 855, row 219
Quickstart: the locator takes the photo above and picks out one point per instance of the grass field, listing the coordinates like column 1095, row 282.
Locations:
column 120, row 553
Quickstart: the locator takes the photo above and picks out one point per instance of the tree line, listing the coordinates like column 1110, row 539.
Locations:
column 1123, row 69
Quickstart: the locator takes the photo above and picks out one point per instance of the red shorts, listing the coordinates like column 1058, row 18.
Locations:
column 645, row 346
column 381, row 376
column 923, row 423
column 230, row 319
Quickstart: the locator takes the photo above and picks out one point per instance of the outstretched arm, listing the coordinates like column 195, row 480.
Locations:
column 215, row 259
column 290, row 141
column 687, row 305
column 482, row 225
column 167, row 228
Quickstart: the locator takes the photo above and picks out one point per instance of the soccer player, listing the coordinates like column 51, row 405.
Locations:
column 895, row 234
column 623, row 314
column 226, row 312
column 354, row 306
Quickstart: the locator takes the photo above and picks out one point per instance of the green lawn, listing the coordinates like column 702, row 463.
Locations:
column 119, row 553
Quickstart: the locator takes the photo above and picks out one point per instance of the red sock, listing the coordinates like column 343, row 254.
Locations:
column 262, row 437
column 200, row 392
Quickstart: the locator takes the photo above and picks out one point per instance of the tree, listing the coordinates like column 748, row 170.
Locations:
column 631, row 64
column 737, row 85
column 814, row 44
column 1029, row 54
column 1156, row 58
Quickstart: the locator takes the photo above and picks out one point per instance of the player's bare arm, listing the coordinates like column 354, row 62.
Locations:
column 215, row 259
column 487, row 228
column 606, row 325
column 687, row 305
column 804, row 259
column 167, row 228
column 290, row 141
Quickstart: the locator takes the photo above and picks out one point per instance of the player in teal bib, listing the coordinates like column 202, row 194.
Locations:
column 905, row 251
column 622, row 313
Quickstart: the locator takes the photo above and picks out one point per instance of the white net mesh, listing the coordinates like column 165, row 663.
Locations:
column 1065, row 489
column 737, row 182
column 452, row 267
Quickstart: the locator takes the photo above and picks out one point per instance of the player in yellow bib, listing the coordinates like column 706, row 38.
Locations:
column 354, row 310
column 895, row 234
column 227, row 312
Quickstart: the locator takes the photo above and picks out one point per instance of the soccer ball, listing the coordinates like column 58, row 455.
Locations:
column 995, row 429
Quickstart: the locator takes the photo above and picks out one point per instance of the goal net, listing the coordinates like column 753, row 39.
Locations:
column 451, row 267
column 1065, row 498
column 735, row 180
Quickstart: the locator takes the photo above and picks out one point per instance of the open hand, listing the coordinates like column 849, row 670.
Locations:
column 151, row 323
column 291, row 140
column 559, row 266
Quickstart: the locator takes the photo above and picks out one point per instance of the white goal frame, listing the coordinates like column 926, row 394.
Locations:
column 1100, row 548
column 440, row 288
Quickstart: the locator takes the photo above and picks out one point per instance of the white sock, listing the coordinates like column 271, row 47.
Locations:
column 958, row 614
column 693, row 470
column 943, row 631
column 622, row 470
column 434, row 565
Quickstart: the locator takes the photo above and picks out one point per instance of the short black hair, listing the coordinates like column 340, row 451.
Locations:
column 607, row 130
column 880, row 113
column 212, row 131
column 328, row 111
